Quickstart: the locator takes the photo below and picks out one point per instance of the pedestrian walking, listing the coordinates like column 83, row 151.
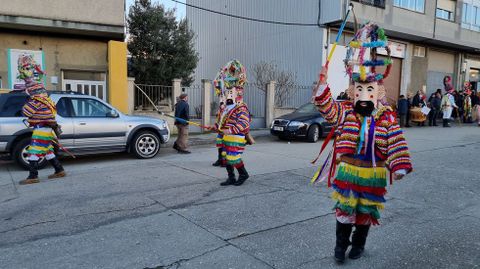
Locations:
column 402, row 107
column 40, row 111
column 181, row 122
column 370, row 145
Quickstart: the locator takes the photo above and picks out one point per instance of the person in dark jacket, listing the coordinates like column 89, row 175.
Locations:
column 416, row 100
column 182, row 114
column 435, row 105
column 409, row 100
column 402, row 110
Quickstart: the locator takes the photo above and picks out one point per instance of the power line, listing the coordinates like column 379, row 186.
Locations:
column 247, row 18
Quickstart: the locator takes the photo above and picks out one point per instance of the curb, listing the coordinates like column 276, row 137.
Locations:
column 206, row 139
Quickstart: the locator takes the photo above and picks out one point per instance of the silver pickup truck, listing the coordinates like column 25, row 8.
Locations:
column 89, row 125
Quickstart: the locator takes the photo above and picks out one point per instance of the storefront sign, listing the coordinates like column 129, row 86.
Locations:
column 398, row 50
column 13, row 54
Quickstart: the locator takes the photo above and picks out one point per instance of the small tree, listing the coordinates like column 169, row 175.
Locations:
column 264, row 72
column 161, row 48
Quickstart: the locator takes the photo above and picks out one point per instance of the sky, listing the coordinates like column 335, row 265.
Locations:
column 168, row 4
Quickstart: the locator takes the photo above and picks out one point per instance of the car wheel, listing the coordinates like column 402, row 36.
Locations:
column 145, row 145
column 314, row 133
column 20, row 155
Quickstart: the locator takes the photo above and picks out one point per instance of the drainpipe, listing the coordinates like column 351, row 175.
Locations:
column 435, row 19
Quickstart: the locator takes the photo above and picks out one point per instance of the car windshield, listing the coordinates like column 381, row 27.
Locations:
column 307, row 108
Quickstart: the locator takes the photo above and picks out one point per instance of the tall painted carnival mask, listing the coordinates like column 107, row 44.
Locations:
column 28, row 69
column 32, row 74
column 366, row 84
column 229, row 83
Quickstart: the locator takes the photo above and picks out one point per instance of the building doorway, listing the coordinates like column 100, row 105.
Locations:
column 475, row 78
column 86, row 82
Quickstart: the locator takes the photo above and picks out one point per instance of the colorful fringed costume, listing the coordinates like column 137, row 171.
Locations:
column 467, row 103
column 40, row 111
column 233, row 122
column 369, row 144
column 359, row 185
column 236, row 122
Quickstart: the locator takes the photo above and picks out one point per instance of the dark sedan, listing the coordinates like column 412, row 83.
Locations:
column 305, row 122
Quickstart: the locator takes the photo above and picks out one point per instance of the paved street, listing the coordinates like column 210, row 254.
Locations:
column 170, row 212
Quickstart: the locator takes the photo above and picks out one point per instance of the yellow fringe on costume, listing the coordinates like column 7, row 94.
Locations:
column 353, row 201
column 364, row 173
column 234, row 139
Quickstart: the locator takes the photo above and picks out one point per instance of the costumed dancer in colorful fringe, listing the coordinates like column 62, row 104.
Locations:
column 40, row 111
column 448, row 101
column 369, row 145
column 234, row 122
column 467, row 103
column 221, row 159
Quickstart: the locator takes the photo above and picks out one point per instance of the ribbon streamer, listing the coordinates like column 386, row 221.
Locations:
column 170, row 116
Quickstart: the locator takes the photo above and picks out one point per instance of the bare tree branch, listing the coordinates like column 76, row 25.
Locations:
column 264, row 72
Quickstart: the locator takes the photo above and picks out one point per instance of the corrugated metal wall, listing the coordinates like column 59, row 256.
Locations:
column 292, row 48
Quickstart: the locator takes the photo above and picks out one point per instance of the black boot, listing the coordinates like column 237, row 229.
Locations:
column 445, row 123
column 343, row 240
column 33, row 174
column 358, row 241
column 219, row 159
column 59, row 171
column 231, row 176
column 243, row 175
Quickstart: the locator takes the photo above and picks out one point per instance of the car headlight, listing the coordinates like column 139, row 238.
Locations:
column 296, row 124
column 271, row 124
column 164, row 125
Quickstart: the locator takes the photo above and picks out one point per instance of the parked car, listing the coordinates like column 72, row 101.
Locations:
column 89, row 125
column 305, row 122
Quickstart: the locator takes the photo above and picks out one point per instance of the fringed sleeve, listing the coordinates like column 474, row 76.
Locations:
column 398, row 155
column 334, row 112
column 29, row 108
column 241, row 123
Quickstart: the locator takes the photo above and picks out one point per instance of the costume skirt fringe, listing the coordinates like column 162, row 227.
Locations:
column 41, row 143
column 359, row 193
column 234, row 146
column 219, row 141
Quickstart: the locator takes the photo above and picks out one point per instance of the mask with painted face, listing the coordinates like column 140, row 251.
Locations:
column 29, row 70
column 366, row 84
column 230, row 81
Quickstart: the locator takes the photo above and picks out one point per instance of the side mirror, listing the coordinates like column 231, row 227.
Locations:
column 113, row 114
